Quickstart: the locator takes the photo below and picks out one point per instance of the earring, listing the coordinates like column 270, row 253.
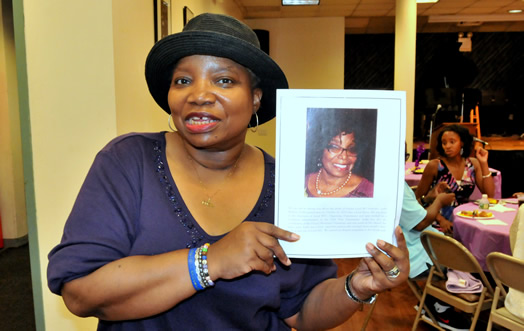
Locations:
column 256, row 127
column 461, row 150
column 169, row 123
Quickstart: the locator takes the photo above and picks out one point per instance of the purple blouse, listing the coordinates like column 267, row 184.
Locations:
column 462, row 188
column 130, row 205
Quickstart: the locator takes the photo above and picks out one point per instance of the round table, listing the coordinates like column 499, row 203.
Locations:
column 481, row 237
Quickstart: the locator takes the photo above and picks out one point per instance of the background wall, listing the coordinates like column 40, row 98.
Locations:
column 311, row 54
column 12, row 199
column 495, row 67
column 68, row 114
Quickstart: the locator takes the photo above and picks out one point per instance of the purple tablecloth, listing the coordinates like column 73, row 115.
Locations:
column 483, row 239
column 413, row 178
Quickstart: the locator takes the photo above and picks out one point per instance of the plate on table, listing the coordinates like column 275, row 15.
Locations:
column 417, row 171
column 475, row 214
column 491, row 201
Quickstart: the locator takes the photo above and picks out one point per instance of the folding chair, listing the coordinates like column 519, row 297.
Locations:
column 413, row 284
column 368, row 316
column 447, row 252
column 506, row 270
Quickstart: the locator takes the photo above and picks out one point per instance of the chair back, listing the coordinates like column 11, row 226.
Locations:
column 448, row 252
column 507, row 270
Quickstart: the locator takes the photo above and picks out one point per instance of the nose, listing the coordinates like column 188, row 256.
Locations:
column 345, row 154
column 201, row 94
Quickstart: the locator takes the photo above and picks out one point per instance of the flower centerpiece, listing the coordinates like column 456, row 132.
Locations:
column 420, row 151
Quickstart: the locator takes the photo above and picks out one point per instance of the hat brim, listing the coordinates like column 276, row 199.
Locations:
column 169, row 50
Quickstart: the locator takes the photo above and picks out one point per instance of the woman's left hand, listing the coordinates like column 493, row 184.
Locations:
column 370, row 276
column 482, row 155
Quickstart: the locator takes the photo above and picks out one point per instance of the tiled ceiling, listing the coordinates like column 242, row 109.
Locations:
column 378, row 16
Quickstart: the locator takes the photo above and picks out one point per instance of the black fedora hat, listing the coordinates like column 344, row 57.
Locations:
column 221, row 36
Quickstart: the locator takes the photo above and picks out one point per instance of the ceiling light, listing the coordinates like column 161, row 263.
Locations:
column 427, row 1
column 515, row 11
column 300, row 2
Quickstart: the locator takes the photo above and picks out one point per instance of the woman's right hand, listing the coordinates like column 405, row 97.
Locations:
column 445, row 225
column 248, row 247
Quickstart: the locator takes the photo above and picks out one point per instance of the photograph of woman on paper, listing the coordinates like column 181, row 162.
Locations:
column 340, row 152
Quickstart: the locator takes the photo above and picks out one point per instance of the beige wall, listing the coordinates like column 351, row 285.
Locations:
column 71, row 106
column 89, row 87
column 12, row 199
column 310, row 51
column 133, row 37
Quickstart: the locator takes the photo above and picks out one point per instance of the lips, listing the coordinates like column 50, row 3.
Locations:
column 198, row 123
column 340, row 166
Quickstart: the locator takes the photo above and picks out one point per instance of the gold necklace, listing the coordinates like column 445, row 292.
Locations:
column 319, row 192
column 207, row 202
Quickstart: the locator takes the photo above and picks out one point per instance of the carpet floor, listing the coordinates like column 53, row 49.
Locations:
column 16, row 297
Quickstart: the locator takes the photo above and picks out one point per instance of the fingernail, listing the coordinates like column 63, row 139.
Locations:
column 370, row 246
column 381, row 243
column 295, row 236
column 288, row 262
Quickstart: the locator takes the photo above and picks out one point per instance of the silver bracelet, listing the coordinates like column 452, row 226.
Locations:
column 352, row 296
column 487, row 176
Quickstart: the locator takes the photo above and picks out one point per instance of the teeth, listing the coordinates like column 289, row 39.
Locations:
column 200, row 120
column 341, row 166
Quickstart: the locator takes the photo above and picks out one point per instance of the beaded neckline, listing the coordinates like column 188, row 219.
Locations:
column 184, row 218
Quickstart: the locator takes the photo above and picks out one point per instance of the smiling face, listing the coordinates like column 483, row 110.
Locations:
column 451, row 143
column 339, row 156
column 212, row 100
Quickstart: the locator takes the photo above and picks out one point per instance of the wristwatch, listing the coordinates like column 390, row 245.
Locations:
column 352, row 296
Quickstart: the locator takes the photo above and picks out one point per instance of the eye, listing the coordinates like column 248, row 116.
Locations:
column 334, row 149
column 225, row 81
column 181, row 81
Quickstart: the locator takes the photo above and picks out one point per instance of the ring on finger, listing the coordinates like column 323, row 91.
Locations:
column 393, row 273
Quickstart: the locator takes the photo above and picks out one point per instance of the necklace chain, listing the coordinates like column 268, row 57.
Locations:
column 331, row 192
column 207, row 202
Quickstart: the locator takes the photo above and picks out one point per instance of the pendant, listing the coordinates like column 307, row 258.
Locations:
column 207, row 203
column 319, row 192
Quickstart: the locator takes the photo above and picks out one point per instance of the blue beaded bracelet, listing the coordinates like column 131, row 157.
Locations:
column 193, row 273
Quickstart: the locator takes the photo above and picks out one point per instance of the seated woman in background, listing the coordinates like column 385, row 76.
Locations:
column 339, row 157
column 454, row 166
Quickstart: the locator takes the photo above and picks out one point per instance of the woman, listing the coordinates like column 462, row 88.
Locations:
column 454, row 167
column 175, row 230
column 338, row 151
